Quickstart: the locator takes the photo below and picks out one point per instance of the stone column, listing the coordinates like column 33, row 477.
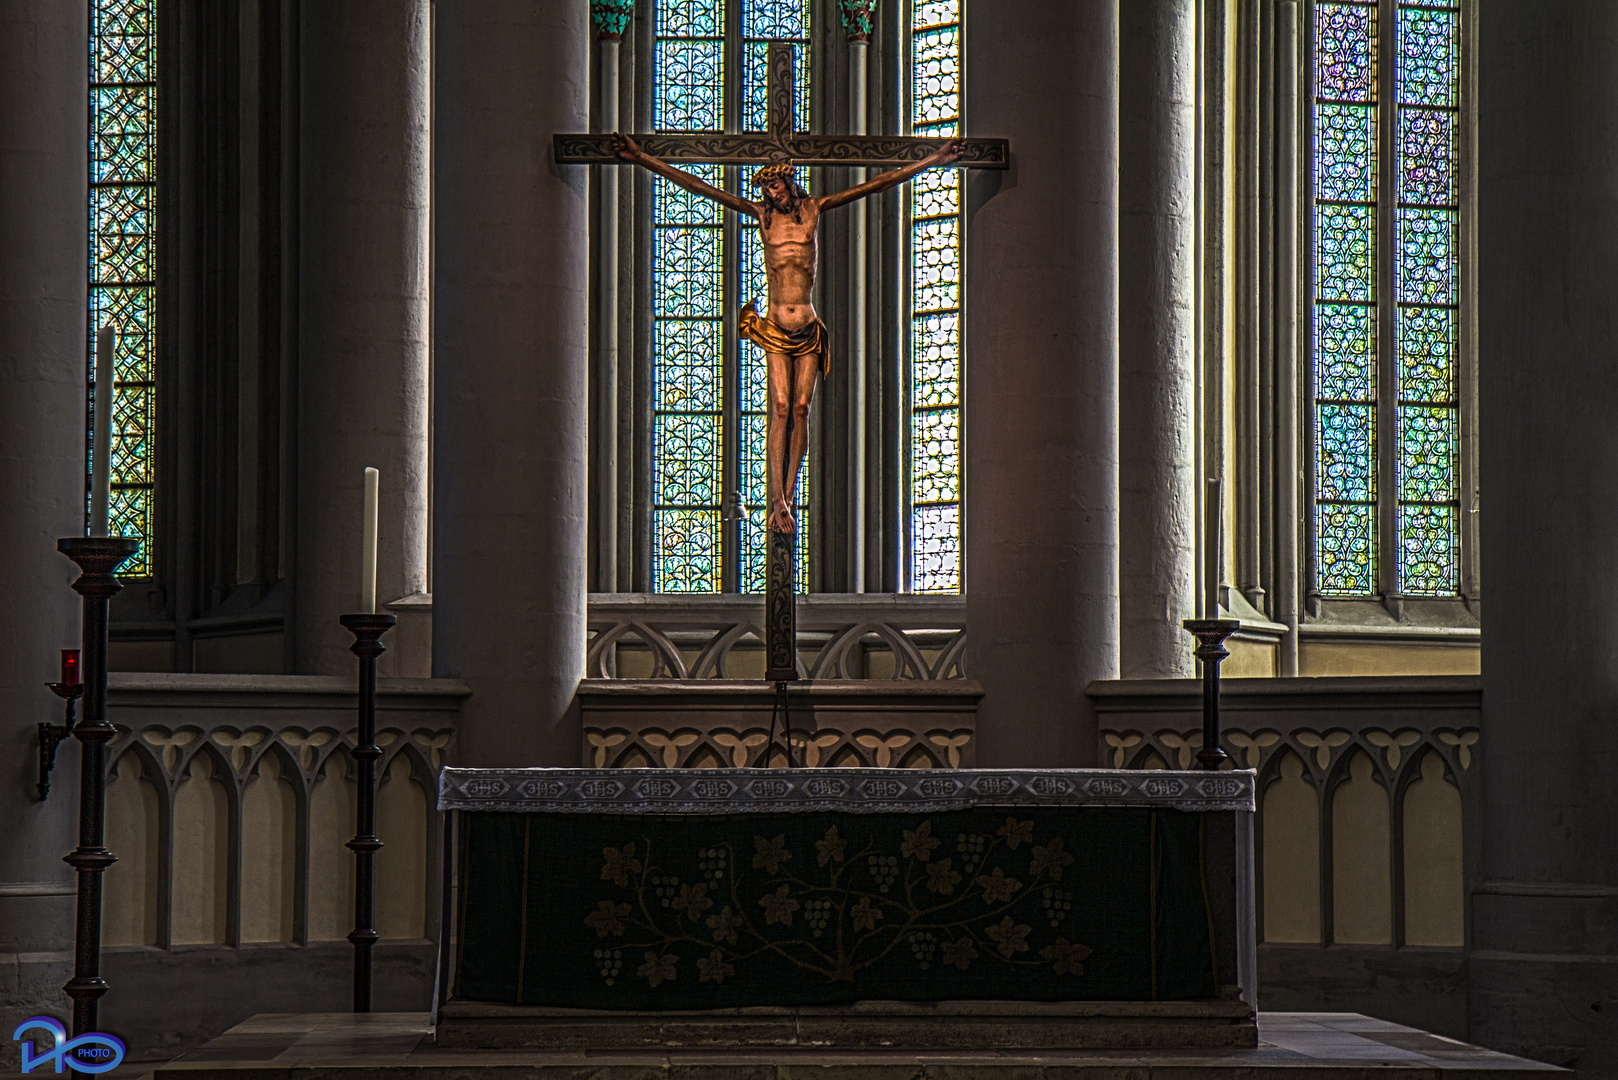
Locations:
column 1042, row 376
column 43, row 217
column 1545, row 915
column 363, row 332
column 511, row 335
column 1157, row 382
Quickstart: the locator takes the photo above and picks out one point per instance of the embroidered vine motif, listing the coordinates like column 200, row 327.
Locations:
column 850, row 906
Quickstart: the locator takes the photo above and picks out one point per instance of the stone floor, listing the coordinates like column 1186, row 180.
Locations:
column 341, row 1046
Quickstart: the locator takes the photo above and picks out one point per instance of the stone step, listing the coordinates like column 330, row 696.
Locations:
column 399, row 1046
column 866, row 1025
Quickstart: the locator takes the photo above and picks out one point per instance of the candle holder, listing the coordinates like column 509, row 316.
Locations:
column 51, row 735
column 97, row 557
column 367, row 631
column 1211, row 635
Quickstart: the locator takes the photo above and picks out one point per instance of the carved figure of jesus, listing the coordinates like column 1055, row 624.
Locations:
column 793, row 337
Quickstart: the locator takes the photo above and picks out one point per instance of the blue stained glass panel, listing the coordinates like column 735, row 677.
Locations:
column 1343, row 351
column 1345, row 444
column 690, row 86
column 775, row 19
column 1427, row 256
column 1345, row 152
column 1429, row 56
column 1345, row 548
column 689, row 18
column 674, row 205
column 689, row 269
column 689, row 376
column 686, row 448
column 685, row 550
column 1345, row 252
column 1345, row 52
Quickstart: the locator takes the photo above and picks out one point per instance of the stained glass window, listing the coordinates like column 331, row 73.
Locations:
column 708, row 508
column 1360, row 356
column 935, row 306
column 122, row 262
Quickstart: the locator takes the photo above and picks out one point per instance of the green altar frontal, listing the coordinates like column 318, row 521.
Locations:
column 709, row 889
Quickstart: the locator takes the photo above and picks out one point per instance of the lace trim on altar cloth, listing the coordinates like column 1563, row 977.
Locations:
column 860, row 791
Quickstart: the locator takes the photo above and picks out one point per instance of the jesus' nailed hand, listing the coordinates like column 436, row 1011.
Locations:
column 792, row 336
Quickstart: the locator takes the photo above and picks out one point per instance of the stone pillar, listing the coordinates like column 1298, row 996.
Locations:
column 363, row 332
column 1544, row 965
column 510, row 349
column 43, row 217
column 1157, row 382
column 1042, row 376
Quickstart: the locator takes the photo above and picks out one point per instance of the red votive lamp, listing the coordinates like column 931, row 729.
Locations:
column 70, row 667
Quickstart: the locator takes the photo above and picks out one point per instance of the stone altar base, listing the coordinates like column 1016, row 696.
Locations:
column 865, row 1025
column 399, row 1046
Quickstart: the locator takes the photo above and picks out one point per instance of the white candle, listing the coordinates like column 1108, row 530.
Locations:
column 101, row 446
column 1215, row 514
column 368, row 545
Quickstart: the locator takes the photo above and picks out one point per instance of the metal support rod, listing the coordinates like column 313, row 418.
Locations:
column 97, row 557
column 1211, row 635
column 51, row 735
column 367, row 631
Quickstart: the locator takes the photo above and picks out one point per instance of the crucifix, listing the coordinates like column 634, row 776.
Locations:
column 794, row 339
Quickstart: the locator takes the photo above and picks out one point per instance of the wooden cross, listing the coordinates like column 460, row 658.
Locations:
column 782, row 143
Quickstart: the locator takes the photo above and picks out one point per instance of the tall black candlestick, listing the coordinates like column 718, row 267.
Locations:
column 367, row 630
column 1211, row 635
column 97, row 558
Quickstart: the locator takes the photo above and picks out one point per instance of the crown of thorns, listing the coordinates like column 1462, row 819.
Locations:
column 773, row 172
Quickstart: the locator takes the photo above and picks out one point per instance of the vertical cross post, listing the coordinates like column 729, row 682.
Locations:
column 367, row 630
column 781, row 91
column 781, row 548
column 97, row 558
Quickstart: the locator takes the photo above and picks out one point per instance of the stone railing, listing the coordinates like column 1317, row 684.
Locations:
column 840, row 636
column 230, row 798
column 1367, row 795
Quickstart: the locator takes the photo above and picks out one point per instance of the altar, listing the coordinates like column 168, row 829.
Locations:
column 842, row 906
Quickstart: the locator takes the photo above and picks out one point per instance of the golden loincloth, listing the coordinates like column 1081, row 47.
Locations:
column 768, row 335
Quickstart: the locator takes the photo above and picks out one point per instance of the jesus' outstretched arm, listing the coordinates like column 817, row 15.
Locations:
column 629, row 151
column 948, row 154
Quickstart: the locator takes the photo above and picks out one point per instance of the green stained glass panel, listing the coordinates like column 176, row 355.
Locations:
column 1429, row 550
column 1347, row 548
column 1427, row 345
column 1346, row 152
